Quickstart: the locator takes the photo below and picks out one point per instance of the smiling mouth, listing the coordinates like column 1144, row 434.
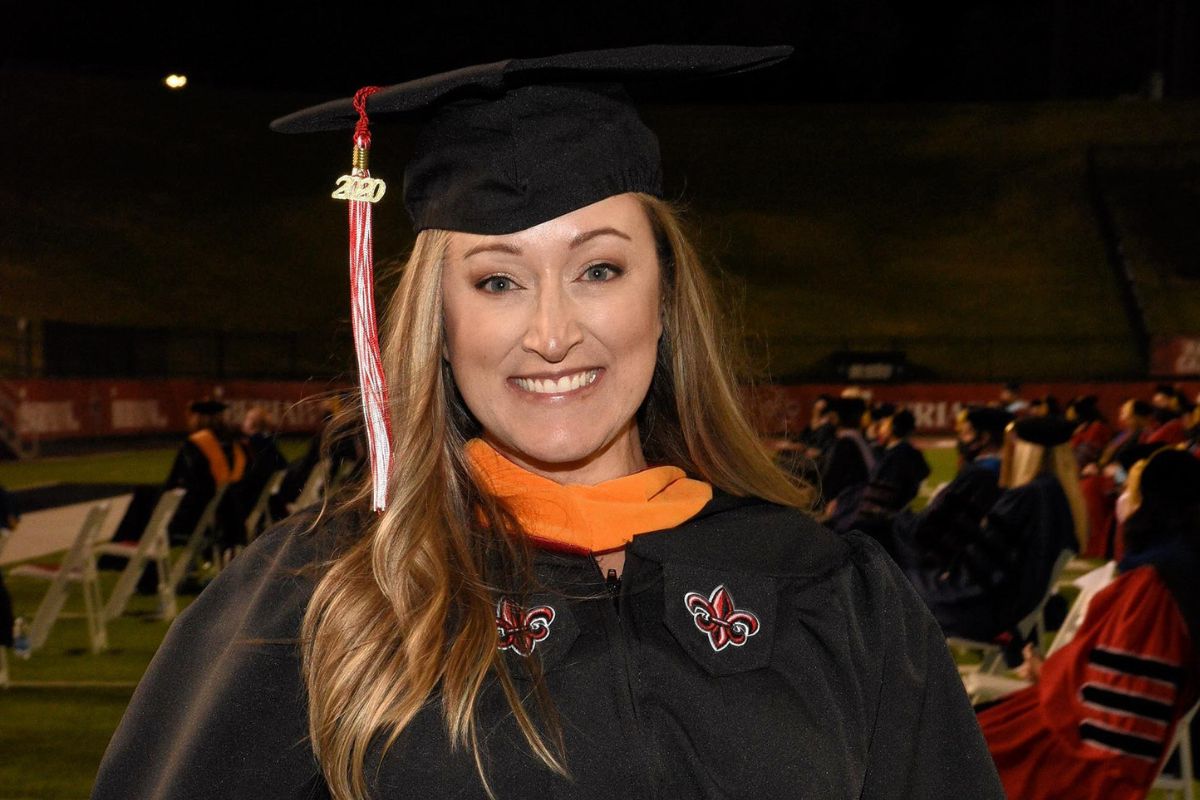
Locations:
column 567, row 383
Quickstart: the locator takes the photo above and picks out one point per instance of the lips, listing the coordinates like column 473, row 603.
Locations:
column 560, row 385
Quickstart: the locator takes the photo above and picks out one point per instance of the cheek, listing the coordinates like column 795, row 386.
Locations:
column 633, row 330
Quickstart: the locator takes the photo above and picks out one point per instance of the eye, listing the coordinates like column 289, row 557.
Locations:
column 496, row 284
column 601, row 272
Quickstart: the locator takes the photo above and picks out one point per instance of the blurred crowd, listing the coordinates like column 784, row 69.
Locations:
column 1038, row 483
column 241, row 472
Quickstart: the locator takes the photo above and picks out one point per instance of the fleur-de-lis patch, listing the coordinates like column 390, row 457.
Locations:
column 717, row 616
column 520, row 629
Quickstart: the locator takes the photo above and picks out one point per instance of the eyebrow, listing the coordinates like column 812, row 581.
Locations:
column 493, row 247
column 587, row 236
column 513, row 250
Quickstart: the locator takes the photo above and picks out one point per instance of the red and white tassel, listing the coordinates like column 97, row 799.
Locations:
column 363, row 191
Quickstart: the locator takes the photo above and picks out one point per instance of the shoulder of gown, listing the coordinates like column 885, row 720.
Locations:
column 221, row 711
column 852, row 625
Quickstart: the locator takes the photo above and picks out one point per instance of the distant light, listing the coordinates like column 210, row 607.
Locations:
column 175, row 81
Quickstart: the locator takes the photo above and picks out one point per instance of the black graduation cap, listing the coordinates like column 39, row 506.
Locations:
column 1046, row 431
column 991, row 419
column 508, row 145
column 850, row 411
column 1128, row 456
column 1172, row 477
column 882, row 411
column 208, row 407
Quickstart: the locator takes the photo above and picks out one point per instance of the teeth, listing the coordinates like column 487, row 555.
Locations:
column 567, row 383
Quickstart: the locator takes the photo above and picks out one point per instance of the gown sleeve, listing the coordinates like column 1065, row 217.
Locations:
column 1097, row 722
column 925, row 740
column 1118, row 688
column 221, row 711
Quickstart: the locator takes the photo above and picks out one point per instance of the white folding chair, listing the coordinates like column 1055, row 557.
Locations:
column 991, row 654
column 983, row 686
column 153, row 546
column 78, row 566
column 313, row 486
column 258, row 518
column 1090, row 584
column 1183, row 785
column 4, row 534
column 205, row 527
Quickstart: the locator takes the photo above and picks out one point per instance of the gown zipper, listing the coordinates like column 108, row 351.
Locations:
column 617, row 632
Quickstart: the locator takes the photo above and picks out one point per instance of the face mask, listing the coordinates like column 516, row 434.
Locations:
column 970, row 450
column 1125, row 507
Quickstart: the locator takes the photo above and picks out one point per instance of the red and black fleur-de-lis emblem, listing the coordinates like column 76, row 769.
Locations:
column 717, row 616
column 521, row 629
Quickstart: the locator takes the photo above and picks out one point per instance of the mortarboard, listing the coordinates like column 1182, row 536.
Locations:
column 1171, row 476
column 991, row 419
column 1128, row 456
column 207, row 407
column 1046, row 431
column 883, row 411
column 507, row 145
column 850, row 411
column 503, row 147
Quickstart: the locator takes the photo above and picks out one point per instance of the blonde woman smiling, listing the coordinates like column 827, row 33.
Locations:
column 589, row 579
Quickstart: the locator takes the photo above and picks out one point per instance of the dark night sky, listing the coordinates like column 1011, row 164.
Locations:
column 848, row 50
column 888, row 140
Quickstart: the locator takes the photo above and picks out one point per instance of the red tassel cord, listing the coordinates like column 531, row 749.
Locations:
column 363, row 191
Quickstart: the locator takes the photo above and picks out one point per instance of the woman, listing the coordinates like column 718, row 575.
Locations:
column 982, row 558
column 1098, row 720
column 539, row 612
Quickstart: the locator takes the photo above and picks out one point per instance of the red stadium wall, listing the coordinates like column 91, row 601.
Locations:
column 47, row 409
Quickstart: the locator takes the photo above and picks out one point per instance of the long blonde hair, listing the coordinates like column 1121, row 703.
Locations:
column 1023, row 461
column 408, row 607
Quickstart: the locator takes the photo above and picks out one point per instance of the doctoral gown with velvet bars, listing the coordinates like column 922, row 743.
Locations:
column 749, row 652
column 1098, row 722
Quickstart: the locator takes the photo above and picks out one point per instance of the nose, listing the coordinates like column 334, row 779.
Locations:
column 554, row 326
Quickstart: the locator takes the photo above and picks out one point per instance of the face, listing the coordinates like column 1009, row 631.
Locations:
column 552, row 335
column 1128, row 418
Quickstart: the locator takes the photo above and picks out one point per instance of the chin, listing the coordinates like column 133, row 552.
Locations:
column 555, row 446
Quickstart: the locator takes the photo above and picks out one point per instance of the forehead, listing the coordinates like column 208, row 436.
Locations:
column 621, row 217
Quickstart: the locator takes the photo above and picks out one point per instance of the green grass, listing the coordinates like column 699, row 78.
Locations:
column 67, row 701
column 132, row 466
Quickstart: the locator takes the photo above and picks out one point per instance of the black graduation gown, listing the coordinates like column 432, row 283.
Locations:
column 981, row 585
column 191, row 472
column 749, row 653
column 845, row 464
column 894, row 482
column 897, row 477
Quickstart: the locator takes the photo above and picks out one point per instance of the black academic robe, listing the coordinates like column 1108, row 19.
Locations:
column 191, row 472
column 748, row 653
column 897, row 477
column 892, row 485
column 982, row 579
column 848, row 462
